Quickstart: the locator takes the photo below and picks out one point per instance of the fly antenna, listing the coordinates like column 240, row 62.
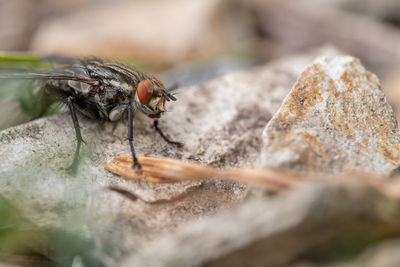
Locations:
column 168, row 96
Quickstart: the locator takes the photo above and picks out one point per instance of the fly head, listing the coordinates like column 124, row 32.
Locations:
column 150, row 97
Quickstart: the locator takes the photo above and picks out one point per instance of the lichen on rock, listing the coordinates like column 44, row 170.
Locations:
column 336, row 118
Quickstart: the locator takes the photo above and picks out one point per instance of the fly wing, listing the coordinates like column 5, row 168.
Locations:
column 22, row 101
column 22, row 94
column 77, row 76
column 81, row 81
column 69, row 74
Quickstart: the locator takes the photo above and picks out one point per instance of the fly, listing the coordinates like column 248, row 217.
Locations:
column 105, row 91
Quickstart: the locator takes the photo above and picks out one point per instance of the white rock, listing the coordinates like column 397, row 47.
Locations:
column 335, row 119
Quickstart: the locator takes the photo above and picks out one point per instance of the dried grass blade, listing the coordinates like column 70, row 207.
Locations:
column 165, row 170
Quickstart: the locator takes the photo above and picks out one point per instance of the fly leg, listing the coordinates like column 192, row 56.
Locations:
column 136, row 165
column 178, row 144
column 79, row 138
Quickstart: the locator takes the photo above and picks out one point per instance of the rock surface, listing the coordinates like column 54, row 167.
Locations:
column 275, row 232
column 220, row 121
column 335, row 119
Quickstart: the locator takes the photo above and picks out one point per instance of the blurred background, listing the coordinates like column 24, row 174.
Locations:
column 193, row 41
column 199, row 39
column 166, row 33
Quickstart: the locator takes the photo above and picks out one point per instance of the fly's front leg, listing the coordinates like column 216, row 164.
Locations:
column 178, row 144
column 136, row 165
column 79, row 138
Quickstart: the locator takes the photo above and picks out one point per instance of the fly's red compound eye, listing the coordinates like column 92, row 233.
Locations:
column 145, row 91
column 159, row 82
